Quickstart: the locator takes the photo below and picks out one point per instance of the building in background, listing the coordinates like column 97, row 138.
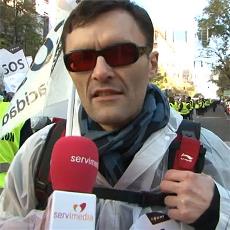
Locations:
column 175, row 58
column 176, row 41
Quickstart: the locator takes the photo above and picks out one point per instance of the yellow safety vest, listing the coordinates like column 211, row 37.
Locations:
column 9, row 145
column 207, row 103
column 191, row 103
column 197, row 105
column 185, row 110
column 172, row 105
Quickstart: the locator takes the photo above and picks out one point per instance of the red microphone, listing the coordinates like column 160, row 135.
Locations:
column 74, row 164
column 73, row 171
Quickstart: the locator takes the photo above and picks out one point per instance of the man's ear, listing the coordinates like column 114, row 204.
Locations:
column 153, row 63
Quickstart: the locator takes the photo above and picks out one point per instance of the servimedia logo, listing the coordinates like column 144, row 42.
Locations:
column 78, row 214
column 84, row 160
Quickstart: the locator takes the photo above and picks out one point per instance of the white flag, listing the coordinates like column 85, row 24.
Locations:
column 47, row 85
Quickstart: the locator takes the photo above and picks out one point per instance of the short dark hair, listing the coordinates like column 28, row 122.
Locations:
column 87, row 10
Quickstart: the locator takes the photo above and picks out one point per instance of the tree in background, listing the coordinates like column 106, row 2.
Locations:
column 214, row 34
column 167, row 83
column 20, row 26
column 161, row 79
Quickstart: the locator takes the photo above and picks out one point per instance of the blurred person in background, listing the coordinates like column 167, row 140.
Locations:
column 12, row 140
column 184, row 107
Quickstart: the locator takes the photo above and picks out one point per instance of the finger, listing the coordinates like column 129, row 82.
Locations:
column 169, row 186
column 180, row 215
column 171, row 201
column 178, row 175
column 179, row 202
column 174, row 214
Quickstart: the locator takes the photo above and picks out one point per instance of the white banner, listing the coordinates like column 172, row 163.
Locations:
column 14, row 67
column 13, row 63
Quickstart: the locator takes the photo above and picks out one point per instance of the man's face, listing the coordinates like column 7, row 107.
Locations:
column 111, row 96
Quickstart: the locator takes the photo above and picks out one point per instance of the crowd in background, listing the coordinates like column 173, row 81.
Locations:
column 186, row 105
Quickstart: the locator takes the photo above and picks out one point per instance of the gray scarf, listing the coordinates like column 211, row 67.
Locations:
column 117, row 148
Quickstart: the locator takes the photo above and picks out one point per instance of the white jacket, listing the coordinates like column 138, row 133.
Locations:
column 17, row 202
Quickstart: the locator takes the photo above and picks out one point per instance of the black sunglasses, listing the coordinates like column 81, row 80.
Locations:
column 116, row 55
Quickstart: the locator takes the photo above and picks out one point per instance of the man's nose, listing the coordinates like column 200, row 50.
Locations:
column 102, row 71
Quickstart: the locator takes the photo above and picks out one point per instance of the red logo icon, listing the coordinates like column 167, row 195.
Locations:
column 79, row 208
column 186, row 157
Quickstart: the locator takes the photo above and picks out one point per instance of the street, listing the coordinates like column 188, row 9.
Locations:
column 218, row 122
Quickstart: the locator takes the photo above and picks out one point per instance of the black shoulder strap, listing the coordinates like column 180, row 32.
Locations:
column 43, row 186
column 142, row 198
column 190, row 129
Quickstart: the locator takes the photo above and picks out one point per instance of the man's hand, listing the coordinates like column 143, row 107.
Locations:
column 190, row 194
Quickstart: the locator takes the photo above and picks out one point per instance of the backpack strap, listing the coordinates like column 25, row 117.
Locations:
column 186, row 152
column 189, row 128
column 142, row 198
column 43, row 187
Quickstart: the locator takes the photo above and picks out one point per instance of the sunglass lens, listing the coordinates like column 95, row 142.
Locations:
column 83, row 60
column 120, row 55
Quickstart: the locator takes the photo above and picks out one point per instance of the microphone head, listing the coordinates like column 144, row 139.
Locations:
column 74, row 164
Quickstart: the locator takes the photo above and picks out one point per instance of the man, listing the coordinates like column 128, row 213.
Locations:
column 184, row 107
column 107, row 47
